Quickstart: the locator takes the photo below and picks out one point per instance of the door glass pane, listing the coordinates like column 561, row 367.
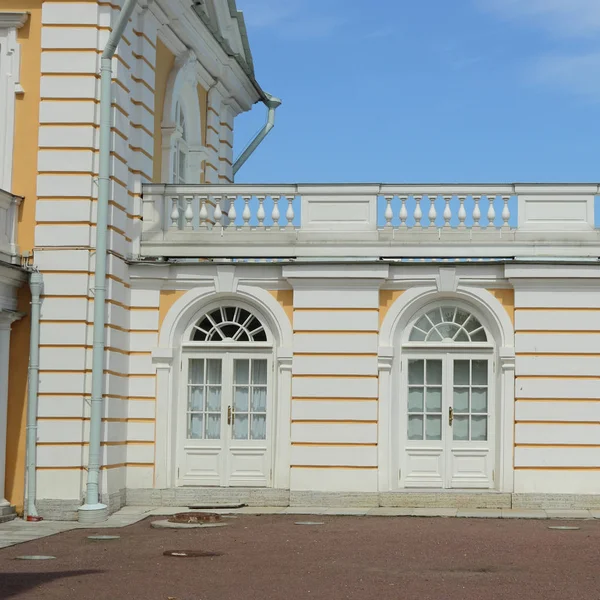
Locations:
column 213, row 399
column 478, row 428
column 415, row 427
column 434, row 372
column 240, row 427
column 461, row 372
column 214, row 370
column 461, row 400
column 434, row 400
column 416, row 373
column 259, row 372
column 415, row 400
column 480, row 372
column 241, row 372
column 196, row 371
column 240, row 399
column 195, row 427
column 258, row 430
column 196, row 399
column 213, row 426
column 479, row 401
column 259, row 399
column 433, row 427
column 460, row 428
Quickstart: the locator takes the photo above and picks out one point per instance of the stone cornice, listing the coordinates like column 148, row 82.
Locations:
column 13, row 19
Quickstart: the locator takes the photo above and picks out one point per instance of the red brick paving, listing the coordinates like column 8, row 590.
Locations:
column 271, row 558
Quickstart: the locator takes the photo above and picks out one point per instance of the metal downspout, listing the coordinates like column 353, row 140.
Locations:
column 35, row 284
column 271, row 103
column 93, row 511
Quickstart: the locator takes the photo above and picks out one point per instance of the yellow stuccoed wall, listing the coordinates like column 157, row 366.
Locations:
column 286, row 300
column 386, row 299
column 506, row 297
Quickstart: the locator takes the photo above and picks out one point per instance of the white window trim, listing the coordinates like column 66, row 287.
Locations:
column 10, row 62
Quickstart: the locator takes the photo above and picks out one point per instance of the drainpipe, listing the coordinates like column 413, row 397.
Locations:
column 93, row 511
column 35, row 285
column 271, row 103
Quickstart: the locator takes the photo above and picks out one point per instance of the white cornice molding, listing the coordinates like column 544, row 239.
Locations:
column 14, row 20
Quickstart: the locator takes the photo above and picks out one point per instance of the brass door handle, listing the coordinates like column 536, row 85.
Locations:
column 450, row 416
column 229, row 415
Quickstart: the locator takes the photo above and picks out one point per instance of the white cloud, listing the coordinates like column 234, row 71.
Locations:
column 560, row 17
column 578, row 74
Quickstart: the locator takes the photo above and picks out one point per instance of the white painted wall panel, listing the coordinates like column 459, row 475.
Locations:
column 141, row 432
column 546, row 433
column 557, row 365
column 67, row 334
column 334, row 365
column 63, row 235
column 333, row 480
column 339, row 456
column 341, row 387
column 70, row 13
column 139, row 477
column 141, row 409
column 346, row 320
column 60, row 484
column 328, row 343
column 70, row 62
column 558, row 343
column 141, row 364
column 557, row 388
column 557, row 457
column 63, row 284
column 143, row 342
column 336, row 298
column 68, row 87
column 562, row 320
column 67, row 112
column 328, row 411
column 569, row 297
column 63, row 383
column 144, row 320
column 73, row 37
column 570, row 410
column 61, row 431
column 556, row 482
column 140, row 453
column 61, row 359
column 55, row 160
column 64, row 211
column 67, row 137
column 69, row 309
column 60, row 456
column 61, row 406
column 357, row 433
column 62, row 260
column 142, row 387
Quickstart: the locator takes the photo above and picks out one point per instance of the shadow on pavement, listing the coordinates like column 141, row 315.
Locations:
column 13, row 584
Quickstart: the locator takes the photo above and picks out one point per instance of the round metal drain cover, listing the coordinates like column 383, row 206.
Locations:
column 35, row 557
column 194, row 518
column 564, row 528
column 309, row 523
column 101, row 538
column 190, row 553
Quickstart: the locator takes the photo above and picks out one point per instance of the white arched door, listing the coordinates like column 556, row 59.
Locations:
column 225, row 409
column 447, row 412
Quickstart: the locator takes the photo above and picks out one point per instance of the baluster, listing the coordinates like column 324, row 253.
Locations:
column 203, row 214
column 232, row 213
column 175, row 212
column 189, row 212
column 432, row 214
column 418, row 212
column 476, row 212
column 403, row 211
column 388, row 214
column 218, row 212
column 462, row 213
column 275, row 214
column 260, row 213
column 505, row 211
column 447, row 211
column 289, row 213
column 491, row 214
column 246, row 212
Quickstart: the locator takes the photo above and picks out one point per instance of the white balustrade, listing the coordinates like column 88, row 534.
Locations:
column 275, row 216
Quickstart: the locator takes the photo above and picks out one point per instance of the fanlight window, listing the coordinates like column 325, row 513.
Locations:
column 229, row 324
column 448, row 324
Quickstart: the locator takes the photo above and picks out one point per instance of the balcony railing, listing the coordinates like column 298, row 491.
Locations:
column 369, row 221
column 9, row 208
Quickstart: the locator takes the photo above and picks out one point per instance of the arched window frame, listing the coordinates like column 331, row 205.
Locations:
column 182, row 107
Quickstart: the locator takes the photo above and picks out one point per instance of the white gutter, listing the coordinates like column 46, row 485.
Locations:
column 93, row 511
column 35, row 284
column 271, row 103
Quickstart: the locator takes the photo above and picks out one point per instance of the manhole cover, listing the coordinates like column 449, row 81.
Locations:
column 190, row 553
column 310, row 523
column 35, row 557
column 101, row 538
column 564, row 528
column 193, row 518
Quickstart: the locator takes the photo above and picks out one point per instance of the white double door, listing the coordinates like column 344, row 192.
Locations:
column 224, row 427
column 448, row 421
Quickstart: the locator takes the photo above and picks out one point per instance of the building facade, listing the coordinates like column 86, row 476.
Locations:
column 352, row 344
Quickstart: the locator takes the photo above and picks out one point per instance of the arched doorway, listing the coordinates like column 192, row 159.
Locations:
column 225, row 417
column 447, row 400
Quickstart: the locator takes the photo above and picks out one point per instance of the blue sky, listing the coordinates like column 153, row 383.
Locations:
column 425, row 90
